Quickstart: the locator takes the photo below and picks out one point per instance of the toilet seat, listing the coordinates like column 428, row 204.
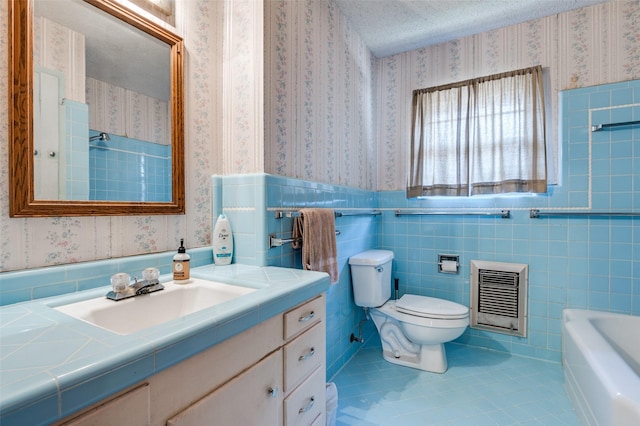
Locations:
column 430, row 307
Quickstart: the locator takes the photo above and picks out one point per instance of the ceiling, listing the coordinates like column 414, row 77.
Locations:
column 388, row 27
column 116, row 52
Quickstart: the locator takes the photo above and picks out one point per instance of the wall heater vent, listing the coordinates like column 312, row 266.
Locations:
column 499, row 297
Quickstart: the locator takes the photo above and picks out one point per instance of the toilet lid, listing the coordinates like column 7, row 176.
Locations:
column 430, row 307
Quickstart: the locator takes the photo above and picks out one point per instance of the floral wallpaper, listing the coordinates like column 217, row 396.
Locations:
column 334, row 114
column 243, row 138
column 318, row 95
column 58, row 48
column 6, row 245
column 588, row 46
column 37, row 242
column 120, row 111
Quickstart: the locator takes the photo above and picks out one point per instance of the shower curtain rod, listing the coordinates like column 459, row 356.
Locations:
column 505, row 214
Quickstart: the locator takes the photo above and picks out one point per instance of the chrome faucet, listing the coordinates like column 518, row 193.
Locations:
column 123, row 289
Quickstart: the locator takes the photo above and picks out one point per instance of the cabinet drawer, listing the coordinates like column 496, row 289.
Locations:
column 307, row 402
column 303, row 355
column 131, row 408
column 304, row 316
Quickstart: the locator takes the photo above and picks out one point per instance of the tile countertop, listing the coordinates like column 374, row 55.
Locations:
column 52, row 365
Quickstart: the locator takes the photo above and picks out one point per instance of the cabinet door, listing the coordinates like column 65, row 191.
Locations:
column 251, row 398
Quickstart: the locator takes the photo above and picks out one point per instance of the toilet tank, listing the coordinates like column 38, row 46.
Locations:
column 371, row 277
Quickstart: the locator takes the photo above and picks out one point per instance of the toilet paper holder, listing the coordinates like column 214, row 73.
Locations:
column 448, row 263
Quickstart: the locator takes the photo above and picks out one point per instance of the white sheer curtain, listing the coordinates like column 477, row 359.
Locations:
column 481, row 136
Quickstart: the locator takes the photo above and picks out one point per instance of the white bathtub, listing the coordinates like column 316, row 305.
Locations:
column 601, row 359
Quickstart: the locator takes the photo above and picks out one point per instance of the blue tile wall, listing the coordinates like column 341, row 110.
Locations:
column 242, row 199
column 250, row 201
column 576, row 262
column 129, row 169
column 77, row 150
column 356, row 234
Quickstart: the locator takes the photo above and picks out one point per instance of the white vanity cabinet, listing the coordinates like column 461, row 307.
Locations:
column 272, row 374
column 290, row 380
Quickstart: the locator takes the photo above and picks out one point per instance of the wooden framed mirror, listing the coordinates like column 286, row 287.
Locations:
column 31, row 123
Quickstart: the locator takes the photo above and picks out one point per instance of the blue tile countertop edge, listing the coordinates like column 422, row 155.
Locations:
column 53, row 365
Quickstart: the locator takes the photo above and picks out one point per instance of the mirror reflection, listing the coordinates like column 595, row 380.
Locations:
column 101, row 107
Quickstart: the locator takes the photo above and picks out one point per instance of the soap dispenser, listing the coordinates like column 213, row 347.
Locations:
column 181, row 266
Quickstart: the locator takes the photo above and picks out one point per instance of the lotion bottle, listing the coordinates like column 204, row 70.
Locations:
column 181, row 265
column 222, row 241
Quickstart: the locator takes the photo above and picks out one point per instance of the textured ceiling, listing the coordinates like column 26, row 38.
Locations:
column 393, row 26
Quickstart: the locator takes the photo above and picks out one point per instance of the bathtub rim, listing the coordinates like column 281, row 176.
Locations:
column 618, row 379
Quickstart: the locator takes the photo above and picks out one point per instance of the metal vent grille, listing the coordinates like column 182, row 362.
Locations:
column 499, row 297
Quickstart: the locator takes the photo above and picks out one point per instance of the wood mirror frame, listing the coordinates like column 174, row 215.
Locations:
column 22, row 202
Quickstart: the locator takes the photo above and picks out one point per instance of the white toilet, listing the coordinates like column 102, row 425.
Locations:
column 413, row 329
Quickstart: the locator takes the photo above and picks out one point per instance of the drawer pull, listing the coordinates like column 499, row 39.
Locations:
column 307, row 407
column 273, row 392
column 307, row 317
column 311, row 353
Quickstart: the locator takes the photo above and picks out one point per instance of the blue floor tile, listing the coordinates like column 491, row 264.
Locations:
column 481, row 387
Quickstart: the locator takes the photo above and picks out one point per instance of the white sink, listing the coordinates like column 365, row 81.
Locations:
column 138, row 313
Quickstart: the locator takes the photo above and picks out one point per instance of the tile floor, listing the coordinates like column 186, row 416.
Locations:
column 481, row 387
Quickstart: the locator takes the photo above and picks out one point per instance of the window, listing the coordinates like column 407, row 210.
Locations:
column 481, row 136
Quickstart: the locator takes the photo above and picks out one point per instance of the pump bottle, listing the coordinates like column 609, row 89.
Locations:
column 181, row 265
column 222, row 241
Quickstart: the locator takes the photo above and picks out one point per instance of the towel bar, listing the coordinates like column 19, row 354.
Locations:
column 535, row 214
column 293, row 213
column 598, row 127
column 277, row 242
column 505, row 214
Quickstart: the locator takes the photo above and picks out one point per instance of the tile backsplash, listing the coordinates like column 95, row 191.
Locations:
column 29, row 284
